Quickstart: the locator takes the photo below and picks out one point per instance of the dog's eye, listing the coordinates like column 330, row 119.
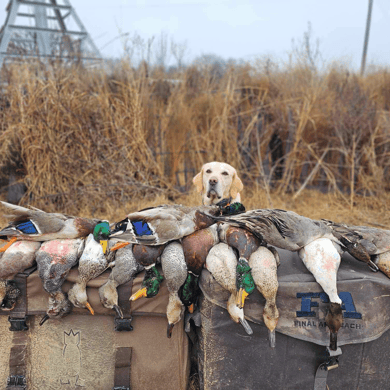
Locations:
column 225, row 173
column 208, row 171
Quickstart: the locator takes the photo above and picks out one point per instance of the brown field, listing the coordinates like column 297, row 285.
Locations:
column 103, row 143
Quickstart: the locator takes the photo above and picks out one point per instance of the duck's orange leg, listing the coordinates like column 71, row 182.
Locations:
column 8, row 244
column 119, row 245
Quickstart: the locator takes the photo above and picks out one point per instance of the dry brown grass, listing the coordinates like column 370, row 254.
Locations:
column 103, row 143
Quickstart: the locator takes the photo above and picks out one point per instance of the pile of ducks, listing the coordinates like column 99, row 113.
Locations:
column 237, row 247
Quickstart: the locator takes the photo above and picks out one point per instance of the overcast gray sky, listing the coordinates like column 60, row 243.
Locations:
column 240, row 28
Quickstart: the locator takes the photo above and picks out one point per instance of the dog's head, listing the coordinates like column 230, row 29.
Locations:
column 217, row 181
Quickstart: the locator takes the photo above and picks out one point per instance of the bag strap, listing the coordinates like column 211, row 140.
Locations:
column 322, row 371
column 124, row 292
column 18, row 362
column 18, row 316
column 122, row 368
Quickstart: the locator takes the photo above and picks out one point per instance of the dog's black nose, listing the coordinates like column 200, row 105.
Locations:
column 213, row 181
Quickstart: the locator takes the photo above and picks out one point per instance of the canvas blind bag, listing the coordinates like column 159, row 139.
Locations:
column 84, row 351
column 231, row 359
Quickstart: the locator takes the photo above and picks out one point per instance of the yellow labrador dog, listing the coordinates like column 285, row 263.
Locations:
column 217, row 181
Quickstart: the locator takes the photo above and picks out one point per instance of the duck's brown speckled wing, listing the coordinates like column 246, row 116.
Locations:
column 374, row 239
column 283, row 229
column 371, row 239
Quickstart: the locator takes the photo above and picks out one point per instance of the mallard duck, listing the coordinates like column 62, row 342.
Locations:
column 221, row 261
column 18, row 257
column 55, row 258
column 291, row 231
column 159, row 225
column 196, row 247
column 264, row 266
column 126, row 267
column 37, row 225
column 92, row 263
column 147, row 257
column 245, row 243
column 156, row 227
column 175, row 272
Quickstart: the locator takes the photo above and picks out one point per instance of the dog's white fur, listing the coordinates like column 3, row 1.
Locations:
column 216, row 181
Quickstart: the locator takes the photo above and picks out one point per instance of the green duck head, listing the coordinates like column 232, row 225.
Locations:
column 244, row 281
column 101, row 234
column 150, row 284
column 232, row 209
column 190, row 291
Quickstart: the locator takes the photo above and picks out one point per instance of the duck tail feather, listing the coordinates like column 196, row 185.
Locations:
column 16, row 209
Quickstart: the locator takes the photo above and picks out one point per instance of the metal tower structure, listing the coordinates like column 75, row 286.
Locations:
column 45, row 29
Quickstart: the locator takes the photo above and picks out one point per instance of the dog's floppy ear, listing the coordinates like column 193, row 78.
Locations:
column 198, row 181
column 236, row 187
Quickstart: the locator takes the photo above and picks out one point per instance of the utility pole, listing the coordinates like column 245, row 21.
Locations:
column 366, row 36
column 45, row 29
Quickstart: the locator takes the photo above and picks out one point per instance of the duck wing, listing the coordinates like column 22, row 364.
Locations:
column 31, row 222
column 37, row 224
column 157, row 226
column 283, row 229
column 356, row 242
column 358, row 236
column 376, row 240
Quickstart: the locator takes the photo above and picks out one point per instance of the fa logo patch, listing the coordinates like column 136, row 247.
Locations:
column 348, row 307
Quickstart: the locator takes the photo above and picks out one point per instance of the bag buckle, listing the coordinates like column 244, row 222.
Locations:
column 18, row 323
column 123, row 325
column 16, row 382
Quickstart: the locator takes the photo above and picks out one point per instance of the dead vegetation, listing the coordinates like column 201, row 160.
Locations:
column 105, row 142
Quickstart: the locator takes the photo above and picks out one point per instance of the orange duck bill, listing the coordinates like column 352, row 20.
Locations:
column 139, row 294
column 89, row 307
